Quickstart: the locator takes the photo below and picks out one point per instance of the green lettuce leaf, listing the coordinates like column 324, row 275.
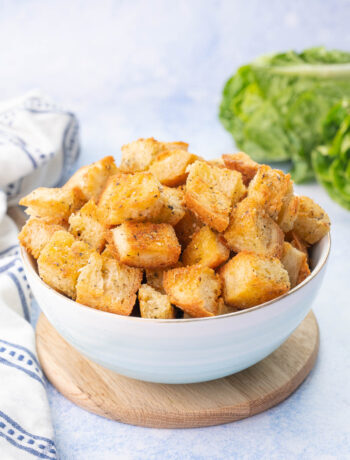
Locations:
column 275, row 106
column 331, row 160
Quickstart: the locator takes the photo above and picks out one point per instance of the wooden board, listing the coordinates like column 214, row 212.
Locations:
column 241, row 395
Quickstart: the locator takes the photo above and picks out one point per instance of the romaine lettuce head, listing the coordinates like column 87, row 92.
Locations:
column 331, row 160
column 275, row 106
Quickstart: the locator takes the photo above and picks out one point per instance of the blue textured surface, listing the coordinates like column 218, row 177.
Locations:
column 131, row 69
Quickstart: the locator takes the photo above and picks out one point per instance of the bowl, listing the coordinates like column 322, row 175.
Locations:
column 180, row 350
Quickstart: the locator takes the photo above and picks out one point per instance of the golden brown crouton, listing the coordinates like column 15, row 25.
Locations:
column 269, row 189
column 108, row 285
column 312, row 222
column 60, row 261
column 187, row 227
column 172, row 208
column 289, row 210
column 294, row 239
column 154, row 277
column 293, row 260
column 211, row 192
column 169, row 167
column 138, row 155
column 194, row 289
column 35, row 234
column 219, row 162
column 251, row 229
column 242, row 163
column 153, row 304
column 304, row 271
column 90, row 180
column 223, row 308
column 205, row 248
column 144, row 244
column 85, row 226
column 251, row 279
column 129, row 196
column 52, row 204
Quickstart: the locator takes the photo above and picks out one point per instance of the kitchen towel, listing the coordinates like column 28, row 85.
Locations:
column 39, row 142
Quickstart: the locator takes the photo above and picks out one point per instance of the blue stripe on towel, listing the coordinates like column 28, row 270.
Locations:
column 21, row 294
column 19, row 347
column 21, row 368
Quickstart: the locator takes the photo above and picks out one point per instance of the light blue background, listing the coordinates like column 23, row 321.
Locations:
column 151, row 68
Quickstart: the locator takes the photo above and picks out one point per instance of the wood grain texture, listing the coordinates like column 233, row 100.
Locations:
column 241, row 395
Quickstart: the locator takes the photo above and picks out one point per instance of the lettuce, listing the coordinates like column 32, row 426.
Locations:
column 331, row 159
column 275, row 107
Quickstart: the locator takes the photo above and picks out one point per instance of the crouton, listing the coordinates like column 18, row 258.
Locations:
column 294, row 239
column 52, row 204
column 187, row 227
column 154, row 277
column 153, row 304
column 35, row 234
column 108, row 285
column 304, row 271
column 170, row 166
column 60, row 261
column 269, row 188
column 242, row 163
column 144, row 244
column 289, row 210
column 129, row 197
column 172, row 208
column 219, row 162
column 292, row 260
column 194, row 289
column 138, row 155
column 205, row 248
column 312, row 222
column 211, row 192
column 251, row 279
column 85, row 226
column 224, row 309
column 251, row 229
column 90, row 180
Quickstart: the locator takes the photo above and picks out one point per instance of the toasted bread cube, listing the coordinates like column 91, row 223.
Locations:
column 35, row 234
column 242, row 163
column 154, row 277
column 211, row 192
column 145, row 245
column 294, row 239
column 224, row 309
column 108, row 285
column 187, row 227
column 251, row 279
column 60, row 261
column 129, row 196
column 289, row 211
column 205, row 248
column 269, row 188
column 170, row 166
column 90, row 180
column 153, row 304
column 293, row 260
column 85, row 226
column 172, row 208
column 138, row 155
column 219, row 162
column 251, row 229
column 304, row 271
column 194, row 289
column 312, row 222
column 52, row 204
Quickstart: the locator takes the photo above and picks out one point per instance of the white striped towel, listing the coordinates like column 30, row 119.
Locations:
column 38, row 143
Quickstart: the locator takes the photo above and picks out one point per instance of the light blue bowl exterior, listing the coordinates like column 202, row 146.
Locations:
column 179, row 351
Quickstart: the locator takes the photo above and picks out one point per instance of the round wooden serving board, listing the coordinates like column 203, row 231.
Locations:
column 241, row 395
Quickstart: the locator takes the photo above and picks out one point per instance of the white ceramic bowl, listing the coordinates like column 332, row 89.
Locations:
column 183, row 350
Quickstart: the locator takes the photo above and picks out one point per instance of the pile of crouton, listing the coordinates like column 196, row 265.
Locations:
column 168, row 234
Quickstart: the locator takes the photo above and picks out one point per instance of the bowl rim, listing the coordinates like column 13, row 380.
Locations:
column 321, row 263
